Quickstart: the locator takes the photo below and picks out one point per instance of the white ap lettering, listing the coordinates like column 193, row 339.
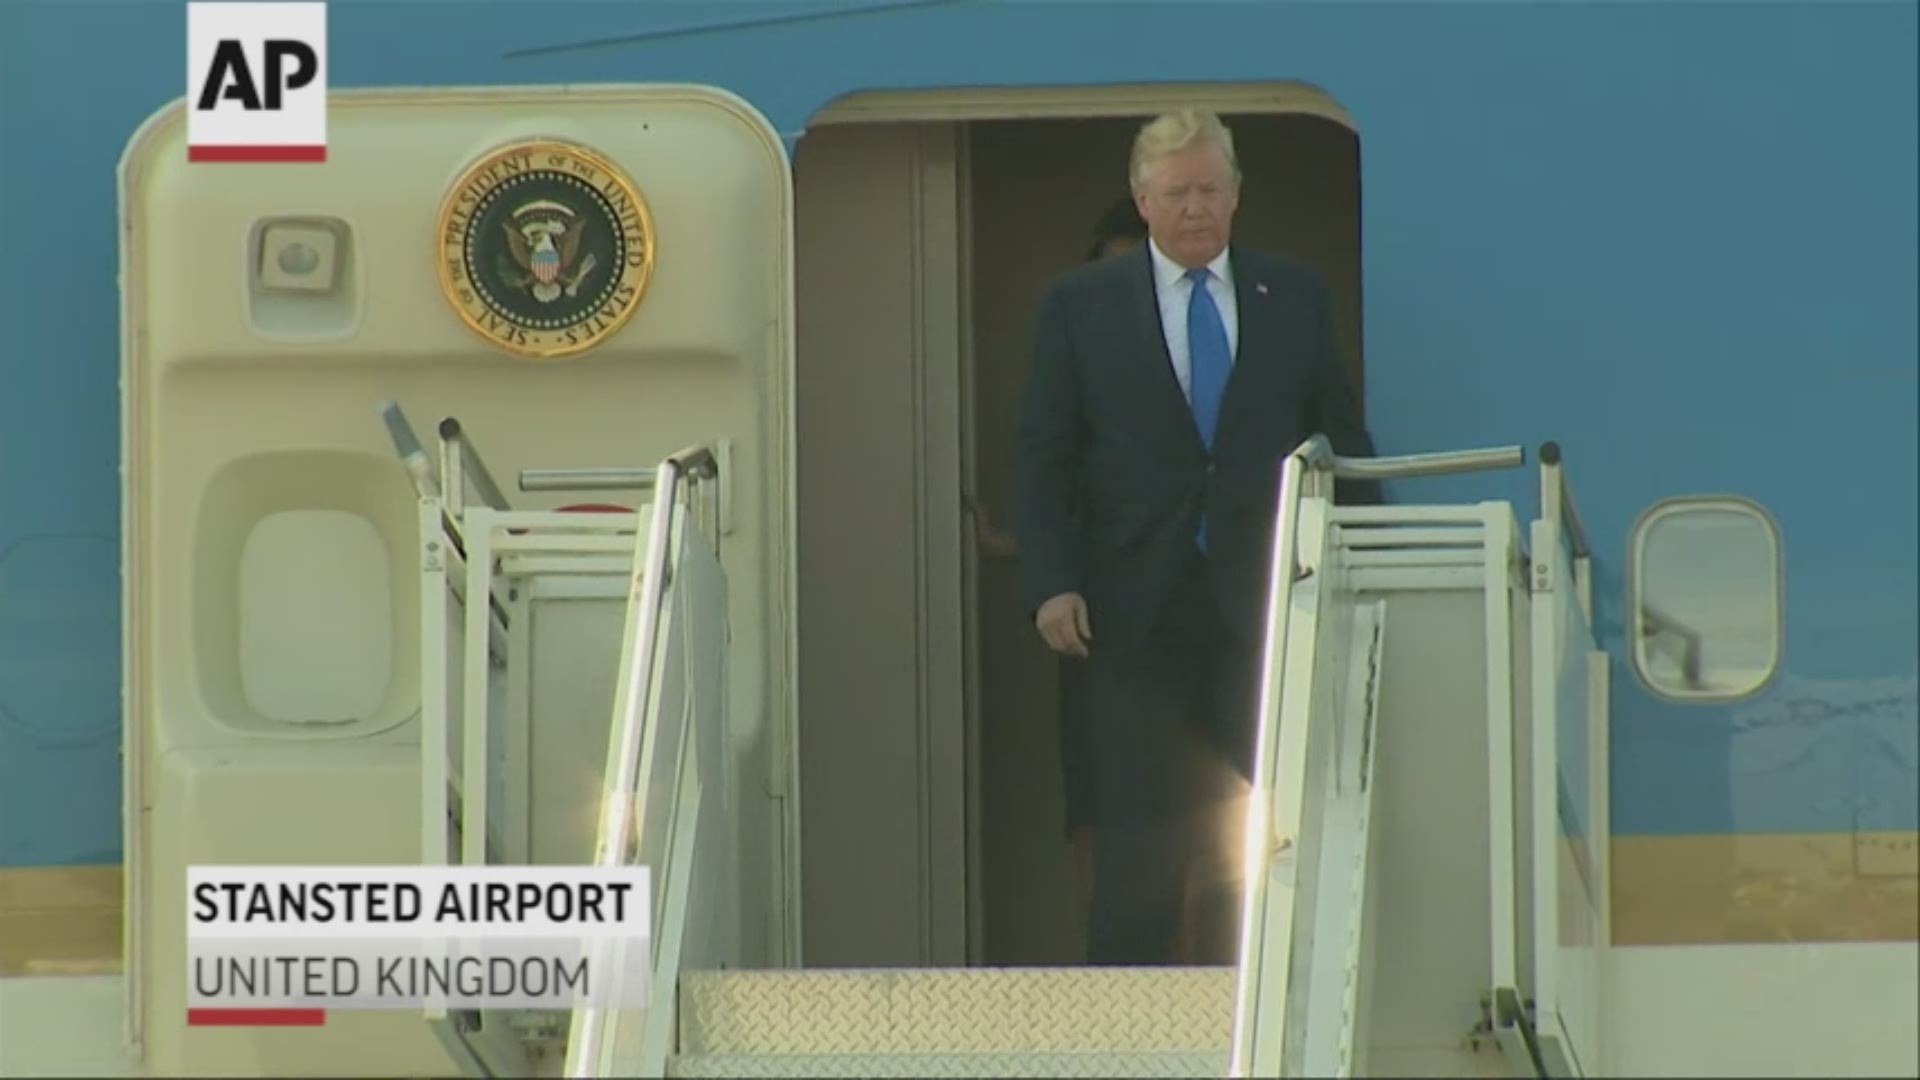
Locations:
column 230, row 77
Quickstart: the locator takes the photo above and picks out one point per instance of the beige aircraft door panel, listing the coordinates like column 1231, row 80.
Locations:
column 584, row 278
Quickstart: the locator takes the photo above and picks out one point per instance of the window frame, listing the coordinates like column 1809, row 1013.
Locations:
column 1636, row 593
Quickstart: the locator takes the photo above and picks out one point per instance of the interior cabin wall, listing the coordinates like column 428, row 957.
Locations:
column 1038, row 188
column 880, row 802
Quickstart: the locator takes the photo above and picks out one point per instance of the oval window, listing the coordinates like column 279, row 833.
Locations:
column 1706, row 594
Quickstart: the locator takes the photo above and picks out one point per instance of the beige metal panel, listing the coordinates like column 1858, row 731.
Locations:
column 968, row 1010
column 1808, row 1009
column 68, row 1026
column 881, row 732
column 241, row 404
column 1431, row 879
column 576, row 644
column 1430, row 821
column 332, row 803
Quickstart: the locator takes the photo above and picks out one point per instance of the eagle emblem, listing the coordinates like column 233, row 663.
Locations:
column 546, row 248
column 543, row 251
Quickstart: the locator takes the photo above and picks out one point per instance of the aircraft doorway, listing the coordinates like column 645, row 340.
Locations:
column 931, row 801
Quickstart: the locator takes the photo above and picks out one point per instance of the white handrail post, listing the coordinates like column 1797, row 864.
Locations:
column 587, row 1042
column 1259, row 810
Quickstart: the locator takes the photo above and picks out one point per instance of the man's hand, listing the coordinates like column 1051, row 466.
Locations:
column 1062, row 622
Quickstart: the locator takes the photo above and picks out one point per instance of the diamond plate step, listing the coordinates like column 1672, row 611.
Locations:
column 1017, row 1011
column 1087, row 1063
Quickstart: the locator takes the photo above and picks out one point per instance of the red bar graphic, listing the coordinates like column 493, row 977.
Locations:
column 271, row 154
column 256, row 1017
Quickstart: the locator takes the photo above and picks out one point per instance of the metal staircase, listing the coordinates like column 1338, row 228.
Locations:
column 1403, row 828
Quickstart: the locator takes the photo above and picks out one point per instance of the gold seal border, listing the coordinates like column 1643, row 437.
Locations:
column 537, row 147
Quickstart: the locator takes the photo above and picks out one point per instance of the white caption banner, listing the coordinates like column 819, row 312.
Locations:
column 418, row 937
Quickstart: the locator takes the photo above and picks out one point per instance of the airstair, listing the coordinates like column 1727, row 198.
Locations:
column 1424, row 891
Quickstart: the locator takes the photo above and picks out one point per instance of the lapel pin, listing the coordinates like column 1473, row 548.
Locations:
column 1260, row 287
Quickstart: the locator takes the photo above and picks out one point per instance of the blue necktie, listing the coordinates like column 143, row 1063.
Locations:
column 1209, row 360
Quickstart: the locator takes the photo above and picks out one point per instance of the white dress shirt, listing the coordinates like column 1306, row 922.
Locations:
column 1173, row 290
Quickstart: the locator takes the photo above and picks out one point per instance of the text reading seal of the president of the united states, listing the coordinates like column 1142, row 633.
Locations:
column 546, row 248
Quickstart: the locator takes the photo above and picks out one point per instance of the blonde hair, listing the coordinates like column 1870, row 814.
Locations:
column 1173, row 132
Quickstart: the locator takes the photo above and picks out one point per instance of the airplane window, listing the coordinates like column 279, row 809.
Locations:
column 1706, row 583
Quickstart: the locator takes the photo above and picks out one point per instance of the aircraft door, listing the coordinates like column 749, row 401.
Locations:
column 577, row 278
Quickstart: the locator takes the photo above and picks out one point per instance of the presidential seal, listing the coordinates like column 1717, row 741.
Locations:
column 546, row 248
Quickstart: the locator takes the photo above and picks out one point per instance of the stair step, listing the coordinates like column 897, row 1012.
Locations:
column 1174, row 1063
column 995, row 1011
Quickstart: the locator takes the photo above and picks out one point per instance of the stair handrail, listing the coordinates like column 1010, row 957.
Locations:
column 420, row 467
column 1281, row 572
column 1310, row 469
column 1557, row 507
column 618, row 812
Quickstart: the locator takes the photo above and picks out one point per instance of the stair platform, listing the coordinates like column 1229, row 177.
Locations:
column 1086, row 1021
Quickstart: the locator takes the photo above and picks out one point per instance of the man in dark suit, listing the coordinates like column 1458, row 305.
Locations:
column 1166, row 387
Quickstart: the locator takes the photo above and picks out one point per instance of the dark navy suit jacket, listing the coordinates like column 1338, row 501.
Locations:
column 1110, row 472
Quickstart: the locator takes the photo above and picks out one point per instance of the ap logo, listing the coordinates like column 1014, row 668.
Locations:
column 256, row 82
